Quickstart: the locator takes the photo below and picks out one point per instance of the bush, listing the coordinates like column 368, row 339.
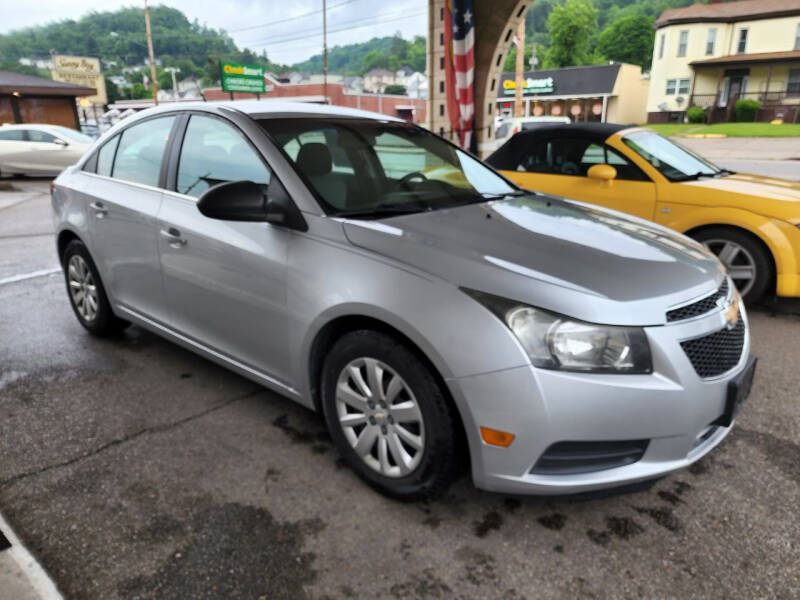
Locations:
column 747, row 109
column 696, row 114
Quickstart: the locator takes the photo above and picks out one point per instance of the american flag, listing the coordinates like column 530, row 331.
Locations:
column 459, row 40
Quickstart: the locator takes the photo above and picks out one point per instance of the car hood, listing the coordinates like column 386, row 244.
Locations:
column 768, row 196
column 569, row 257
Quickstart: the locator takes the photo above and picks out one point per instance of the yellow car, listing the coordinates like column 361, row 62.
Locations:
column 752, row 223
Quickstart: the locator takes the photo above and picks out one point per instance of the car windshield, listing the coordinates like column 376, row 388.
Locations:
column 71, row 134
column 675, row 162
column 369, row 169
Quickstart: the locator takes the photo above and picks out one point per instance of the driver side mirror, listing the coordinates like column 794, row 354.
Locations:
column 60, row 142
column 602, row 172
column 245, row 201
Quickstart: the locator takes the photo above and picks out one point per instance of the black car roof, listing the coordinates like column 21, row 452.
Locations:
column 594, row 131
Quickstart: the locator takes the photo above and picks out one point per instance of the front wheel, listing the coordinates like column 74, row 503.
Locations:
column 388, row 416
column 747, row 261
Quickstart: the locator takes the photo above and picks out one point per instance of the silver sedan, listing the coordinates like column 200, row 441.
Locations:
column 430, row 310
column 40, row 149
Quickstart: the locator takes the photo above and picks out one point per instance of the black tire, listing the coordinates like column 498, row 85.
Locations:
column 437, row 466
column 764, row 276
column 104, row 323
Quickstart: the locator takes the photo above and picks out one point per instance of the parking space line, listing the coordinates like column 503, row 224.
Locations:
column 31, row 275
column 39, row 580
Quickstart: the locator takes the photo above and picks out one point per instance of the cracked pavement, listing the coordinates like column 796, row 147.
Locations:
column 132, row 468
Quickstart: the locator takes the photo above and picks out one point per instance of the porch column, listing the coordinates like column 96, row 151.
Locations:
column 766, row 89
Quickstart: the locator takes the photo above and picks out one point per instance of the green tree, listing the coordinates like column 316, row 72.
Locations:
column 395, row 88
column 374, row 59
column 628, row 39
column 571, row 26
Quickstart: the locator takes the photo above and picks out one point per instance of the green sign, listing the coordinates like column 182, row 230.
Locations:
column 241, row 78
column 545, row 85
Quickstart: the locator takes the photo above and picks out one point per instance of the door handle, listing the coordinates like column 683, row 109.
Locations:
column 100, row 210
column 173, row 237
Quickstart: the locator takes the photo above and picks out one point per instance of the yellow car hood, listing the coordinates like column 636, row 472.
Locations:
column 769, row 196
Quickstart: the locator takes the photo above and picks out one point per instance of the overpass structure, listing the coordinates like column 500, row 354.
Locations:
column 494, row 24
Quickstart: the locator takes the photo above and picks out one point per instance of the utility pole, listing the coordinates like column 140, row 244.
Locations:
column 325, row 51
column 519, row 108
column 174, row 70
column 150, row 50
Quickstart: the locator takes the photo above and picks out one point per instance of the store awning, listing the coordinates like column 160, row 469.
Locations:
column 749, row 59
column 31, row 85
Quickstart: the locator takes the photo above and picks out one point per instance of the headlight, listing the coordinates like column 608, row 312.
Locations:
column 554, row 341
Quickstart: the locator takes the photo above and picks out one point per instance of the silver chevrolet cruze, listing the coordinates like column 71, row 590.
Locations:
column 427, row 307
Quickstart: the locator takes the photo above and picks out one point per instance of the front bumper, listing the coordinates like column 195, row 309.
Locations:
column 673, row 408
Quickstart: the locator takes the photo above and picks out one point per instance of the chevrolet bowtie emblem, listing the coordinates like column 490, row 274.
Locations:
column 731, row 312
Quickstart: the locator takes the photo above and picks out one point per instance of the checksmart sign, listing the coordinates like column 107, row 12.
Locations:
column 241, row 78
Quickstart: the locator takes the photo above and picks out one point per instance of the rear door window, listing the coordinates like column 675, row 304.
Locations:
column 105, row 156
column 11, row 135
column 214, row 152
column 41, row 136
column 141, row 151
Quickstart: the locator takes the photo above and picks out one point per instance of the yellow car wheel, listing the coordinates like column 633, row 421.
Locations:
column 748, row 263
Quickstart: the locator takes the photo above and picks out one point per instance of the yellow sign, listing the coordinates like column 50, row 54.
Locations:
column 81, row 70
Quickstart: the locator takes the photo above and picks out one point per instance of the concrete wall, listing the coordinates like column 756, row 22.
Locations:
column 628, row 103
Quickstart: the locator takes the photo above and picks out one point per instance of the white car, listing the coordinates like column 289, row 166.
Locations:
column 512, row 125
column 39, row 149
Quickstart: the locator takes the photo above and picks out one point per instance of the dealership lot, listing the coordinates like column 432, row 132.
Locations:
column 134, row 469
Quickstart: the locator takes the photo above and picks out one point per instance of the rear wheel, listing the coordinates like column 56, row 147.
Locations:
column 86, row 293
column 388, row 416
column 747, row 261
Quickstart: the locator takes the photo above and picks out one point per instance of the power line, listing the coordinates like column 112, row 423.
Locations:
column 306, row 35
column 296, row 17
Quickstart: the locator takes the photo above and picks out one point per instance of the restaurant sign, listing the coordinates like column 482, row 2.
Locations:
column 241, row 78
column 530, row 86
column 81, row 70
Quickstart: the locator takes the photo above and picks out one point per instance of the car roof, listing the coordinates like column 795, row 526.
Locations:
column 265, row 109
column 594, row 131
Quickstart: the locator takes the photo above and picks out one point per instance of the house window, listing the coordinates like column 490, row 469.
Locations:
column 797, row 38
column 711, row 41
column 741, row 48
column 683, row 41
column 441, row 63
column 441, row 39
column 794, row 82
column 441, row 87
column 441, row 14
column 441, row 110
column 683, row 86
column 661, row 47
column 672, row 85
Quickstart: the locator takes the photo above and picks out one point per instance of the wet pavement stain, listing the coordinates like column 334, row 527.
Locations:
column 623, row 527
column 160, row 529
column 492, row 520
column 784, row 454
column 479, row 567
column 423, row 586
column 235, row 551
column 511, row 504
column 670, row 497
column 299, row 436
column 662, row 515
column 601, row 538
column 432, row 522
column 555, row 521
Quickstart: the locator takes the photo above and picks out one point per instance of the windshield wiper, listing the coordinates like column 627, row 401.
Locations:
column 512, row 194
column 694, row 176
column 725, row 172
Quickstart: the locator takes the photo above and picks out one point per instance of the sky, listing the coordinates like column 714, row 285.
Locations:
column 252, row 23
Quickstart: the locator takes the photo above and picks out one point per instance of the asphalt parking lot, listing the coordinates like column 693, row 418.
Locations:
column 135, row 469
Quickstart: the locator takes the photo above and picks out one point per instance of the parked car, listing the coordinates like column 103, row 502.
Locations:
column 749, row 221
column 426, row 306
column 33, row 149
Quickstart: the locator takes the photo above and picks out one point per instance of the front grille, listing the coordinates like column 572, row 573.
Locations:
column 572, row 458
column 717, row 353
column 700, row 307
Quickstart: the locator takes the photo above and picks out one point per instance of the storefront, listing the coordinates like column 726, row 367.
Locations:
column 613, row 93
column 31, row 99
